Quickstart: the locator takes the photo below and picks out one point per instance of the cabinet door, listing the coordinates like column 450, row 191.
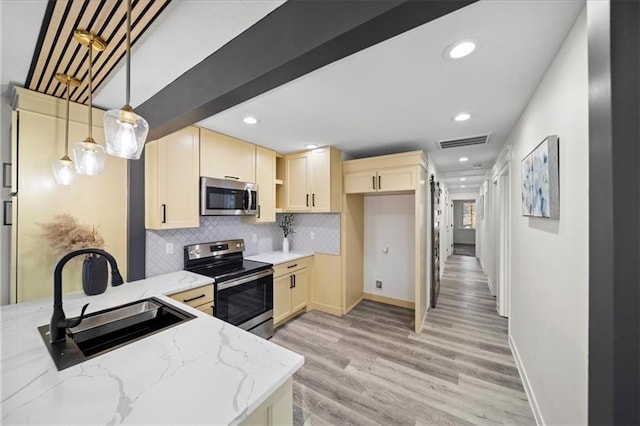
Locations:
column 299, row 293
column 266, row 178
column 178, row 179
column 281, row 297
column 400, row 179
column 224, row 157
column 320, row 180
column 297, row 182
column 360, row 182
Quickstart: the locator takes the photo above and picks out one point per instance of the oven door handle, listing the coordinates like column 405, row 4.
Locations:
column 244, row 280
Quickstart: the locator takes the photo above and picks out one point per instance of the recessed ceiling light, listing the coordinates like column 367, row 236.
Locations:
column 311, row 146
column 463, row 159
column 463, row 179
column 463, row 186
column 462, row 117
column 460, row 49
column 250, row 120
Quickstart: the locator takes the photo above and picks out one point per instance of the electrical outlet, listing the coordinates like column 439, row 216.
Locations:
column 254, row 238
column 169, row 248
column 379, row 284
column 312, row 235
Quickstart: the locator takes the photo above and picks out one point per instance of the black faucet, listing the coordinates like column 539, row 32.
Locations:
column 59, row 322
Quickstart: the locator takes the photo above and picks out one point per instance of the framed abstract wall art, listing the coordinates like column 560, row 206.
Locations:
column 540, row 180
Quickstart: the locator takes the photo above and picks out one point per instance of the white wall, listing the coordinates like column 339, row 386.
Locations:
column 549, row 295
column 389, row 222
column 460, row 235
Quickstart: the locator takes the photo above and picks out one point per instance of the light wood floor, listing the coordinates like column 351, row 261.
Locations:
column 368, row 367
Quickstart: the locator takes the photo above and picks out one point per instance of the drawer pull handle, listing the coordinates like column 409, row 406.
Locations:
column 232, row 177
column 193, row 298
column 292, row 266
column 373, row 182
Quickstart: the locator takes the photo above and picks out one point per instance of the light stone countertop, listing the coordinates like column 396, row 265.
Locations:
column 277, row 257
column 200, row 371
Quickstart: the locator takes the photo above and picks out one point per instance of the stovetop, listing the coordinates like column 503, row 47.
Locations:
column 230, row 270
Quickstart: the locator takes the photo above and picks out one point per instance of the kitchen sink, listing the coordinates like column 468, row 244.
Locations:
column 104, row 331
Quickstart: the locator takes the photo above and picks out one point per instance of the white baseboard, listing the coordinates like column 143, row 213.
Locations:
column 525, row 381
column 493, row 293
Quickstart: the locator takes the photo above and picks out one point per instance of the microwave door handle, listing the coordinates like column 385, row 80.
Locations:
column 249, row 199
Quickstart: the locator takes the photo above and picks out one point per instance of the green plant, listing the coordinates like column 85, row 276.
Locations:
column 286, row 224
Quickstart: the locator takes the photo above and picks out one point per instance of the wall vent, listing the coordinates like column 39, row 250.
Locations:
column 473, row 140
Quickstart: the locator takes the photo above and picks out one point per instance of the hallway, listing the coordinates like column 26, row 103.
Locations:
column 368, row 367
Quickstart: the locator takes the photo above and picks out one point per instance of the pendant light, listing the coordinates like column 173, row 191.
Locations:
column 89, row 156
column 125, row 131
column 63, row 169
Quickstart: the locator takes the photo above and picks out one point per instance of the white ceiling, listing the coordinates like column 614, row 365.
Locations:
column 401, row 94
column 395, row 96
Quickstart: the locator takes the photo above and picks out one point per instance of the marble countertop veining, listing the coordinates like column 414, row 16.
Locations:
column 200, row 371
column 277, row 257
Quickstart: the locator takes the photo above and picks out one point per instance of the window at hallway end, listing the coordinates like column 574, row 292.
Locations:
column 469, row 215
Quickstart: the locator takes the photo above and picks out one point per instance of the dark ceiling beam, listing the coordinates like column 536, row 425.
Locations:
column 295, row 39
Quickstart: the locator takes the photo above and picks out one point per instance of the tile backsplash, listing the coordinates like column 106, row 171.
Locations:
column 325, row 229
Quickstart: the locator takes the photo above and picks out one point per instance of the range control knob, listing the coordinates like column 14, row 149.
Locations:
column 191, row 252
column 198, row 251
column 238, row 245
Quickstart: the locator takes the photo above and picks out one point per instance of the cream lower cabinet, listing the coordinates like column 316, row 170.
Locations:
column 290, row 288
column 276, row 410
column 313, row 181
column 225, row 157
column 384, row 180
column 200, row 298
column 172, row 181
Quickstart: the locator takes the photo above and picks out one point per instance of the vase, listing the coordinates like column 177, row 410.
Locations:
column 95, row 275
column 285, row 245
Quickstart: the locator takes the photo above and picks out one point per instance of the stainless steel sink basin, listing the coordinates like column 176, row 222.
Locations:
column 106, row 330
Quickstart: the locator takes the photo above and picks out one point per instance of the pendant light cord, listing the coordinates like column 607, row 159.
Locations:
column 90, row 89
column 128, row 53
column 66, row 129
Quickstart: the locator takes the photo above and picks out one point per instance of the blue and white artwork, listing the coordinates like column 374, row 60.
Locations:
column 540, row 185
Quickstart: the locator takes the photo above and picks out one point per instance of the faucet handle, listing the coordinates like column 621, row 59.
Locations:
column 70, row 323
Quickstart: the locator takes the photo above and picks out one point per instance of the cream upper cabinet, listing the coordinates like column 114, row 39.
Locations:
column 360, row 182
column 266, row 180
column 172, row 181
column 297, row 182
column 385, row 173
column 398, row 179
column 313, row 180
column 225, row 157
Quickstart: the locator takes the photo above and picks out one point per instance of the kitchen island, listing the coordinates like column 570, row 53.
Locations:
column 200, row 371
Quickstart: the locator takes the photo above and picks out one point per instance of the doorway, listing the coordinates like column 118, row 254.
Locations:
column 464, row 227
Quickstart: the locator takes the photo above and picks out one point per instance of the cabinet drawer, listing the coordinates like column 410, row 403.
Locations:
column 196, row 297
column 207, row 308
column 291, row 266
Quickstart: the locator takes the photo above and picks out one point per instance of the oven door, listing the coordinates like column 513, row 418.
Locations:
column 226, row 197
column 245, row 302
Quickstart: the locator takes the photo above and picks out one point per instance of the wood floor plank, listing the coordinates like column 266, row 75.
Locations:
column 369, row 367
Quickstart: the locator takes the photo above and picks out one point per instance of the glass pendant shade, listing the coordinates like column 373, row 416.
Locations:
column 125, row 133
column 89, row 157
column 64, row 171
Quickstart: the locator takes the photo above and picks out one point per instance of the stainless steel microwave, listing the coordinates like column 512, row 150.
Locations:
column 221, row 197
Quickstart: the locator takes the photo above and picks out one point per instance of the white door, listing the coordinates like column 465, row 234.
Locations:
column 504, row 261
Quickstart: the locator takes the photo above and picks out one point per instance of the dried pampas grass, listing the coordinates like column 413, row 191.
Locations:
column 65, row 234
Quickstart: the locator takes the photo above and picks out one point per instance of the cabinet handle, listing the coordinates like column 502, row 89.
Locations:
column 379, row 182
column 373, row 182
column 193, row 298
column 294, row 280
column 291, row 281
column 258, row 211
column 164, row 213
column 292, row 266
column 307, row 200
column 232, row 177
column 313, row 200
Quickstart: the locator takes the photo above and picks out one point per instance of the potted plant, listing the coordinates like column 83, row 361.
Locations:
column 286, row 224
column 65, row 234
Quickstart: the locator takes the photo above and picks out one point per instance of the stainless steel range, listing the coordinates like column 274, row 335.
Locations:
column 243, row 289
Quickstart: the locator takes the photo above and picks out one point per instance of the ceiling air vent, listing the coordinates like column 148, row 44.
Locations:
column 455, row 143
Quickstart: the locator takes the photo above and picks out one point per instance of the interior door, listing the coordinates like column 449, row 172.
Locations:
column 435, row 243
